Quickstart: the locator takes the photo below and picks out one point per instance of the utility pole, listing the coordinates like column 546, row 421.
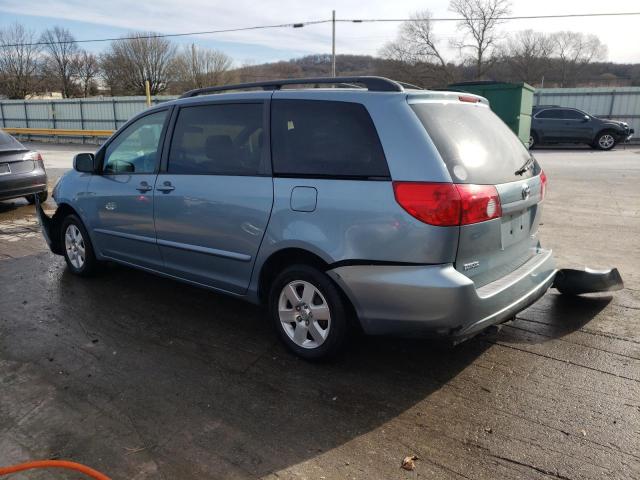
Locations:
column 333, row 43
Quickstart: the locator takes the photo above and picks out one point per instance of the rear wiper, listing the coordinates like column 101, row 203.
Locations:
column 525, row 166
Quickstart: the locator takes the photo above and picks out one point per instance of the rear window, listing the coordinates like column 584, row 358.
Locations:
column 7, row 142
column 325, row 139
column 476, row 146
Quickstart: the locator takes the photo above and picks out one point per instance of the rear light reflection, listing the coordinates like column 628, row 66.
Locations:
column 448, row 204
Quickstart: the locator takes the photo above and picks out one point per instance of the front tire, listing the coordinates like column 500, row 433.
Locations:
column 309, row 312
column 605, row 141
column 78, row 251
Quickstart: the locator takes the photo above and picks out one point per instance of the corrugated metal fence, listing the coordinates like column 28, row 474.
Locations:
column 106, row 113
column 620, row 103
column 103, row 113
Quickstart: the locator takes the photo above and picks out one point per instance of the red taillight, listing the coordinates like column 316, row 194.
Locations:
column 35, row 156
column 448, row 204
column 479, row 203
column 433, row 203
column 543, row 185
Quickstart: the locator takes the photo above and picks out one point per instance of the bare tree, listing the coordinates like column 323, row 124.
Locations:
column 574, row 50
column 200, row 67
column 417, row 52
column 19, row 61
column 480, row 19
column 131, row 61
column 527, row 54
column 61, row 49
column 85, row 69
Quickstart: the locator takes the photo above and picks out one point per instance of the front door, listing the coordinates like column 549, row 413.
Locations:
column 120, row 197
column 214, row 198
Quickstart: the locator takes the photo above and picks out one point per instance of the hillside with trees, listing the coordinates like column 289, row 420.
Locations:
column 33, row 64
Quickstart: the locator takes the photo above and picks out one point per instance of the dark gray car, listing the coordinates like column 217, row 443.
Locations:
column 553, row 124
column 22, row 172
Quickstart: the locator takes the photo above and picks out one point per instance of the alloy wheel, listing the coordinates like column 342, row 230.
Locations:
column 74, row 246
column 606, row 141
column 304, row 313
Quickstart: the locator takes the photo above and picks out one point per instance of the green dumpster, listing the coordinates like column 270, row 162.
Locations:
column 512, row 102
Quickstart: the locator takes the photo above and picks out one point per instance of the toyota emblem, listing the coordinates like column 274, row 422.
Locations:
column 526, row 191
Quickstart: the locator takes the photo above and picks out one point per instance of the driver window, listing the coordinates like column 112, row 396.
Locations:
column 135, row 150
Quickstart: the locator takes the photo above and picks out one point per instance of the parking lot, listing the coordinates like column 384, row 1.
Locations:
column 142, row 377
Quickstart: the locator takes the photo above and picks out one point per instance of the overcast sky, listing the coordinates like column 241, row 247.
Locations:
column 90, row 19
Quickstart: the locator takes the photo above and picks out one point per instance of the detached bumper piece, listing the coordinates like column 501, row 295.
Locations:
column 48, row 227
column 575, row 282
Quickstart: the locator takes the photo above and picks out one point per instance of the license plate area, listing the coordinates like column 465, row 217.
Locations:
column 515, row 228
column 4, row 169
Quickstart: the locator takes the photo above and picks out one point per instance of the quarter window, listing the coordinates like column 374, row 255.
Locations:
column 136, row 148
column 325, row 139
column 573, row 115
column 218, row 139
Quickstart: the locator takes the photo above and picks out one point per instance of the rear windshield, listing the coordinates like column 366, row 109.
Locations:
column 7, row 142
column 475, row 144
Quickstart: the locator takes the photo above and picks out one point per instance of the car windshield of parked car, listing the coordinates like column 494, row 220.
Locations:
column 476, row 146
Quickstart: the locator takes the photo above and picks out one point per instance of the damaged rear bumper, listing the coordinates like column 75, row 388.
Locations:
column 439, row 301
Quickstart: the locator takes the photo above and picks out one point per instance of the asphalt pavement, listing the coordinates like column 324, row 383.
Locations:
column 142, row 377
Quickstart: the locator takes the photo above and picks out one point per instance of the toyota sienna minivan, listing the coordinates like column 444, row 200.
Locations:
column 367, row 203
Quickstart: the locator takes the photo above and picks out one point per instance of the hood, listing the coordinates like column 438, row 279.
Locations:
column 615, row 122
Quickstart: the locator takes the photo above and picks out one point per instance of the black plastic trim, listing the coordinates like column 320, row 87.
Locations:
column 372, row 83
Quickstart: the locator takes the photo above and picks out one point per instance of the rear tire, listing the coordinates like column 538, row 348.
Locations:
column 309, row 312
column 605, row 141
column 77, row 247
column 41, row 195
column 533, row 140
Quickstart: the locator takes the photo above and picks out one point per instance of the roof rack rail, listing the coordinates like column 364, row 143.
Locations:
column 373, row 84
column 410, row 86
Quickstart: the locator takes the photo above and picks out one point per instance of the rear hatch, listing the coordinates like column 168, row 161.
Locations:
column 479, row 149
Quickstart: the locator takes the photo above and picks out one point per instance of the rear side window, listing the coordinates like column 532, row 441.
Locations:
column 325, row 139
column 555, row 114
column 220, row 139
column 573, row 115
column 476, row 146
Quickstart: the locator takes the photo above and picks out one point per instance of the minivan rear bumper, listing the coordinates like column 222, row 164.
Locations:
column 437, row 300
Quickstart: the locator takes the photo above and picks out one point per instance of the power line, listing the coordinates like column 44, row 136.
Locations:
column 315, row 22
column 168, row 35
column 457, row 19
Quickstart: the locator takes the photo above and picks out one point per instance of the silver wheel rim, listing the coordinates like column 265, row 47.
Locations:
column 74, row 245
column 304, row 314
column 606, row 141
column 531, row 141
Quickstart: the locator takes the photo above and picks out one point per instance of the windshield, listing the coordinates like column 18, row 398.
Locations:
column 474, row 143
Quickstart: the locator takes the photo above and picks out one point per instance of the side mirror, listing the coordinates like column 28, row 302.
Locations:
column 84, row 162
column 586, row 118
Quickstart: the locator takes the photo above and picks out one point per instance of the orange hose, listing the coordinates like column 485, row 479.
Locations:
column 54, row 464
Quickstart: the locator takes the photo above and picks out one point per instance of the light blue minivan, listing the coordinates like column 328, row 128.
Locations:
column 367, row 204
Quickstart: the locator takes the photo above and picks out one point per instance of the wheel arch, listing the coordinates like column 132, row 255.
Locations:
column 281, row 259
column 63, row 211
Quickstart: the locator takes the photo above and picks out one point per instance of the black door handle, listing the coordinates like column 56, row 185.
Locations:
column 144, row 187
column 166, row 187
